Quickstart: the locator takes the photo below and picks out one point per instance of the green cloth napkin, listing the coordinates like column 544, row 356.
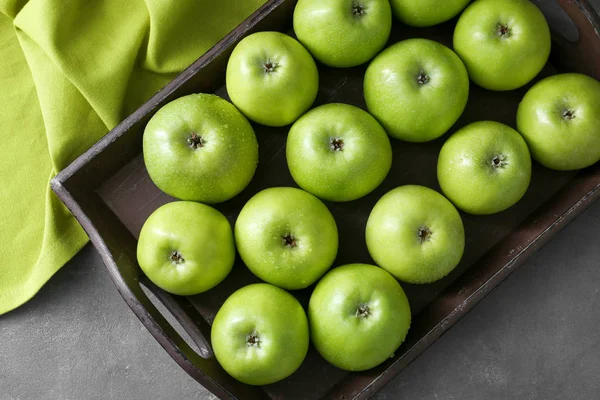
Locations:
column 70, row 70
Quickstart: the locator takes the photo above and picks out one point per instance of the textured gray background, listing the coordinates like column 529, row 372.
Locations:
column 536, row 337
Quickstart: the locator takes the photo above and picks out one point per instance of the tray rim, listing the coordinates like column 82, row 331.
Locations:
column 576, row 201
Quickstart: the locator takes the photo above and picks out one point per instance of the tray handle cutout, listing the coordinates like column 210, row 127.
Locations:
column 582, row 55
column 182, row 316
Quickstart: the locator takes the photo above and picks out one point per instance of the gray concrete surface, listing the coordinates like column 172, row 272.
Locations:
column 536, row 337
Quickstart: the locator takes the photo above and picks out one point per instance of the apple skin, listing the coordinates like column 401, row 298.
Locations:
column 286, row 237
column 186, row 248
column 484, row 168
column 415, row 234
column 272, row 78
column 417, row 89
column 502, row 62
column 341, row 33
column 422, row 13
column 559, row 117
column 358, row 316
column 338, row 152
column 269, row 315
column 212, row 172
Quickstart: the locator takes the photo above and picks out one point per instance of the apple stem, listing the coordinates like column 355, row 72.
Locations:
column 336, row 144
column 568, row 114
column 424, row 234
column 270, row 66
column 363, row 311
column 503, row 30
column 176, row 257
column 499, row 161
column 252, row 340
column 195, row 141
column 422, row 78
column 358, row 10
column 289, row 240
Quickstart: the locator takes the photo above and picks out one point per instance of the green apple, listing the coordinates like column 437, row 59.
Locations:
column 286, row 237
column 201, row 148
column 415, row 234
column 358, row 316
column 423, row 13
column 260, row 334
column 338, row 152
column 186, row 248
column 559, row 118
column 343, row 33
column 272, row 78
column 484, row 168
column 417, row 89
column 503, row 43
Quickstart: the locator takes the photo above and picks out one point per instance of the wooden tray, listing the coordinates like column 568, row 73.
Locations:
column 109, row 192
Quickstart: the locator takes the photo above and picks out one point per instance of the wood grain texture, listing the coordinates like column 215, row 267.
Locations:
column 110, row 193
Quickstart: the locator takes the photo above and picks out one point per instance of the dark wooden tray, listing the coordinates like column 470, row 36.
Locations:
column 109, row 192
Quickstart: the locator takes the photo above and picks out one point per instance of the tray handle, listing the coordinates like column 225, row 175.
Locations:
column 583, row 55
column 193, row 329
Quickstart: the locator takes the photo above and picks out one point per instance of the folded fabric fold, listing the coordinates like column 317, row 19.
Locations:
column 69, row 72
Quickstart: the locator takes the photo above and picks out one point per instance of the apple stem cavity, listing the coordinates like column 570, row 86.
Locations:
column 289, row 240
column 568, row 114
column 336, row 144
column 176, row 257
column 424, row 234
column 422, row 78
column 358, row 10
column 363, row 311
column 503, row 31
column 270, row 66
column 195, row 141
column 499, row 161
column 252, row 339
